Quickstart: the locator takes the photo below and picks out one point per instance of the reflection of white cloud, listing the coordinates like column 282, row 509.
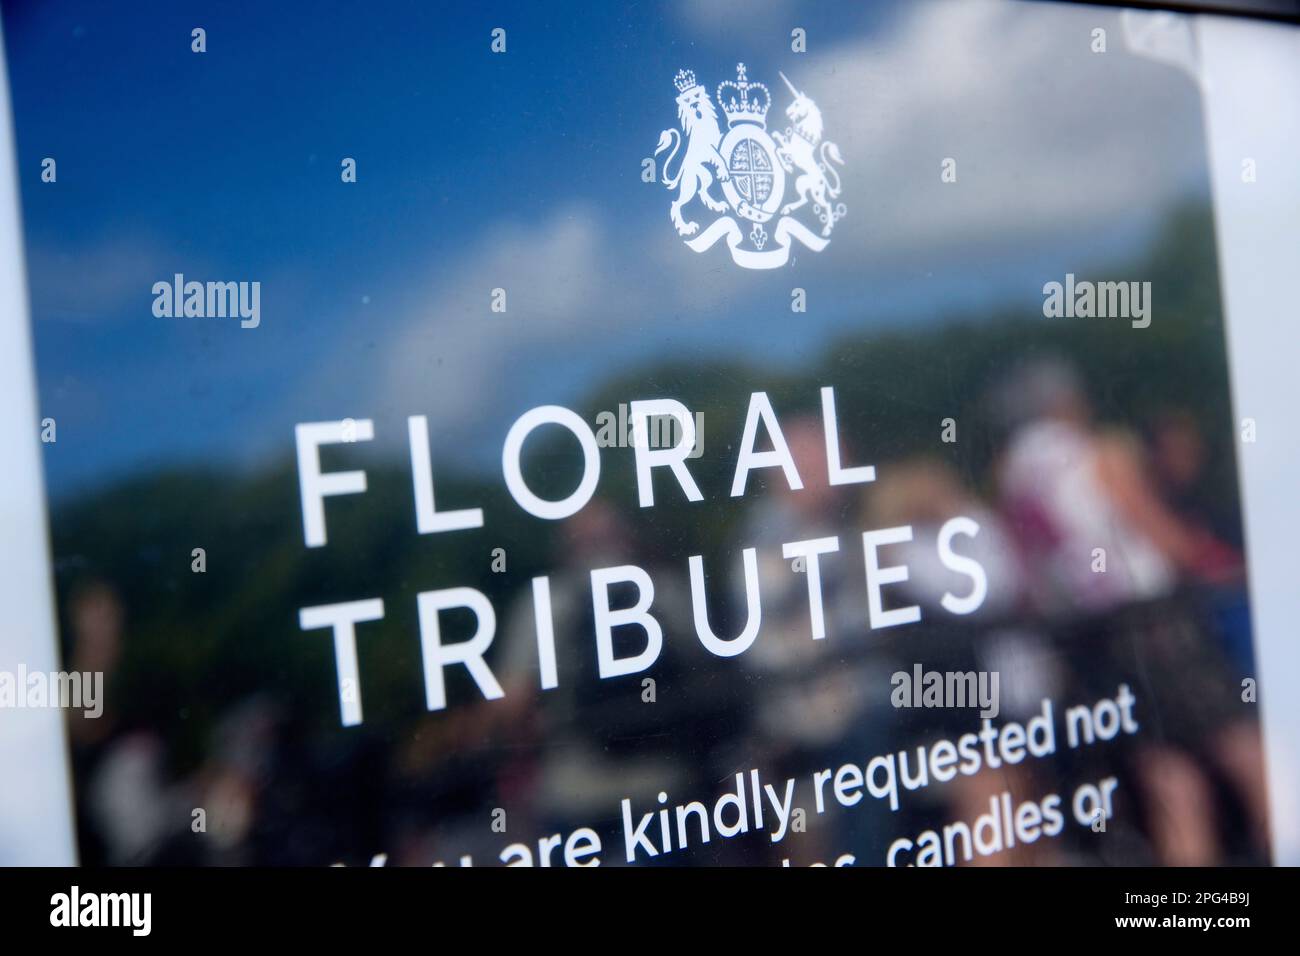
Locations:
column 1162, row 36
column 752, row 21
column 109, row 276
column 1047, row 136
column 449, row 352
column 1055, row 146
column 1057, row 149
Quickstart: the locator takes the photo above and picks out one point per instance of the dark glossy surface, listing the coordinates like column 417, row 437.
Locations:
column 522, row 171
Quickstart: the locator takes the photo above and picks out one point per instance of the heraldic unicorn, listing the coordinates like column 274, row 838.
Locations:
column 750, row 168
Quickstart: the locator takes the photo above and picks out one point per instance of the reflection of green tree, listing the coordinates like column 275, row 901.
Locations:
column 198, row 643
column 195, row 644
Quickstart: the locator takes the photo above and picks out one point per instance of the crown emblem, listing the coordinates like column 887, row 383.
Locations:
column 742, row 101
column 755, row 217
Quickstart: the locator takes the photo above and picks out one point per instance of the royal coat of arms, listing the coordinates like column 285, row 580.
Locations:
column 750, row 167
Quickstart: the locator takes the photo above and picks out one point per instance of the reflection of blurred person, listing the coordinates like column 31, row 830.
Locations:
column 233, row 781
column 123, row 775
column 925, row 493
column 1178, row 459
column 1239, row 752
column 1070, row 489
column 600, row 741
column 817, row 707
column 968, row 799
column 1182, row 812
column 1177, row 452
column 814, row 711
column 129, row 804
column 96, row 624
column 1077, row 496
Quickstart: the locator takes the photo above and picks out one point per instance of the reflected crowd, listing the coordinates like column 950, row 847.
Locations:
column 1102, row 569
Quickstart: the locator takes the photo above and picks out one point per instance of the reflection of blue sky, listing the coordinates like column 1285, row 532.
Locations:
column 523, row 171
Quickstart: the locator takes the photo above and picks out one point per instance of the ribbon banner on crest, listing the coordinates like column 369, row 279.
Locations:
column 787, row 229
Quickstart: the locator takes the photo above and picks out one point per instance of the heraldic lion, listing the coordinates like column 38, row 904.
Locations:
column 699, row 122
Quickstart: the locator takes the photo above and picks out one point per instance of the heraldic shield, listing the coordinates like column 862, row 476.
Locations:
column 751, row 167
